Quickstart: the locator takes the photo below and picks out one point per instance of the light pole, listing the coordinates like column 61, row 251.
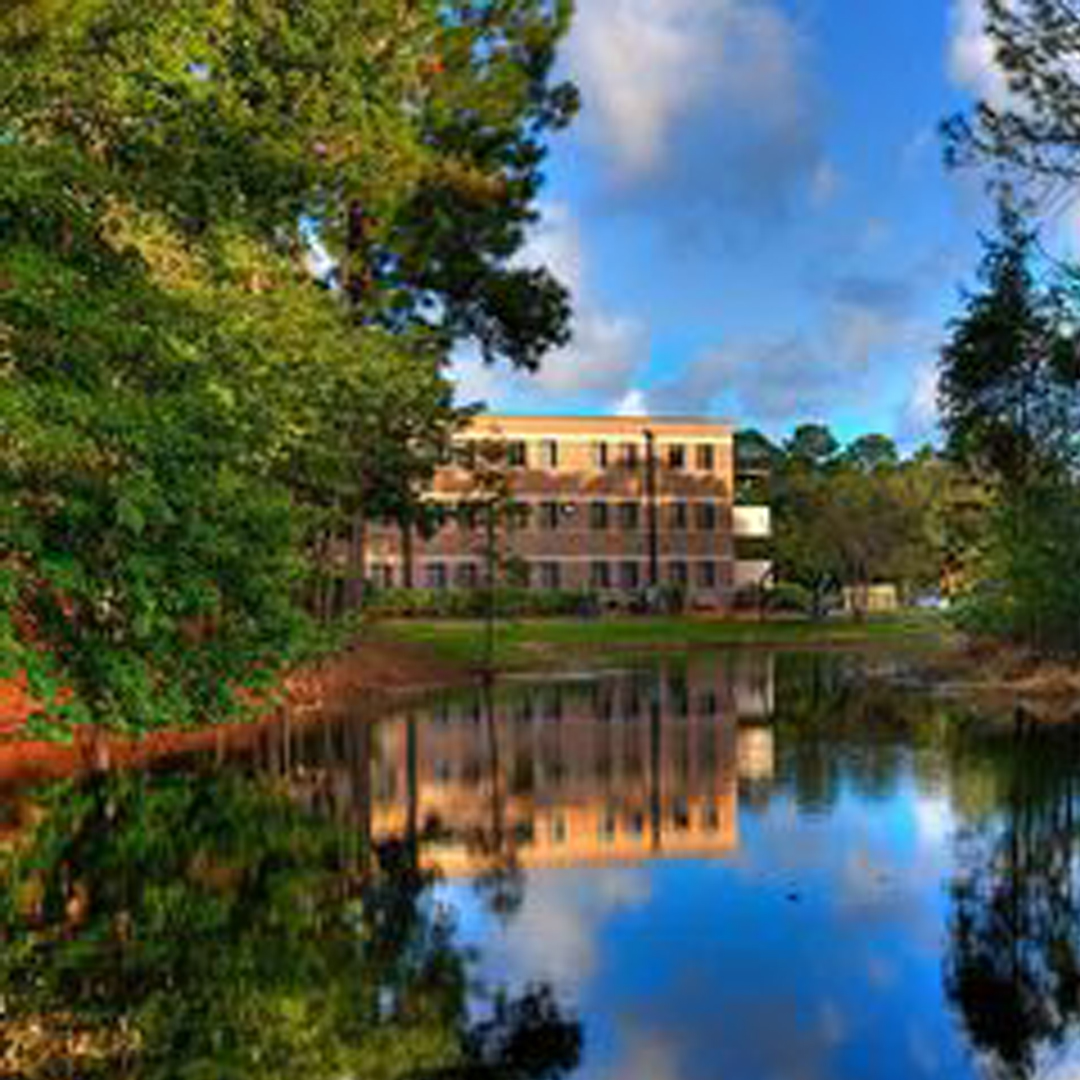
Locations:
column 651, row 511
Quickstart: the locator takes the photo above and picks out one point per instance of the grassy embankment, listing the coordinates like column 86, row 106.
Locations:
column 547, row 644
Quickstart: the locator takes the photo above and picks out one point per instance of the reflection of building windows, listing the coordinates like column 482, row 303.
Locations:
column 443, row 772
column 598, row 515
column 549, row 454
column 706, row 517
column 553, row 704
column 710, row 818
column 524, row 832
column 435, row 575
column 677, row 572
column 559, row 832
column 628, row 455
column 516, row 455
column 676, row 456
column 550, row 575
column 629, row 575
column 467, row 576
column 549, row 515
column 520, row 515
column 607, row 827
column 679, row 515
column 707, row 703
column 706, row 573
column 635, row 823
column 600, row 575
column 600, row 455
column 680, row 816
column 523, row 710
column 629, row 516
column 706, row 457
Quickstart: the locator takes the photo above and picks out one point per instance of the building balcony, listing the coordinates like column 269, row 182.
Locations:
column 752, row 522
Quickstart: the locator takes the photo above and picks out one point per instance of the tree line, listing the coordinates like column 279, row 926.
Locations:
column 237, row 245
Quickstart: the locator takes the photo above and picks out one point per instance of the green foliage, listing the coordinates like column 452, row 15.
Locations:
column 1011, row 406
column 852, row 516
column 1030, row 138
column 189, row 422
column 474, row 603
column 190, row 926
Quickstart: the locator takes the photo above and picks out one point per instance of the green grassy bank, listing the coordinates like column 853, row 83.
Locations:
column 528, row 644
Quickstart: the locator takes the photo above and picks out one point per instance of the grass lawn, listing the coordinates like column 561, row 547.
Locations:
column 550, row 643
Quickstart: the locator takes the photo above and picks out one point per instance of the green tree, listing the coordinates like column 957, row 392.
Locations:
column 189, row 926
column 1010, row 395
column 189, row 424
column 1031, row 138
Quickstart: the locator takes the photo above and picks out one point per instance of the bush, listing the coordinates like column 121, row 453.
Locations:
column 789, row 596
column 473, row 603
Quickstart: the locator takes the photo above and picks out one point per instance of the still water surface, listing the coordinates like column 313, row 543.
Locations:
column 738, row 866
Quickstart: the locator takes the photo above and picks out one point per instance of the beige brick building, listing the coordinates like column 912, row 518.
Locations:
column 609, row 504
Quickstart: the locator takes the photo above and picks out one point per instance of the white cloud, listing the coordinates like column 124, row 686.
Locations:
column 972, row 63
column 919, row 417
column 825, row 184
column 633, row 403
column 607, row 348
column 697, row 103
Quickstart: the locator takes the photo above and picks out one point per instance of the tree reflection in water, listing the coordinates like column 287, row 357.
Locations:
column 1013, row 962
column 204, row 926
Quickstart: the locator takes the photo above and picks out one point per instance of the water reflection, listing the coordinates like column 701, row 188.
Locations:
column 742, row 865
column 201, row 925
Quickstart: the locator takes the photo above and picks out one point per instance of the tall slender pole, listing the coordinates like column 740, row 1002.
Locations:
column 489, row 650
column 651, row 512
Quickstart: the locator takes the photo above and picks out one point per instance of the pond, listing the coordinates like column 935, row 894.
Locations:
column 738, row 865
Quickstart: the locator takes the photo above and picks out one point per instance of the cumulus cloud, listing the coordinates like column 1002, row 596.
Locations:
column 607, row 348
column 699, row 105
column 972, row 63
column 919, row 417
column 866, row 322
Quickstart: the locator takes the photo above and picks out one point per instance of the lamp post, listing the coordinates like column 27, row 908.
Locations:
column 651, row 511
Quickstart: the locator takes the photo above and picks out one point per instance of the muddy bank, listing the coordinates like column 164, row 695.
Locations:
column 362, row 680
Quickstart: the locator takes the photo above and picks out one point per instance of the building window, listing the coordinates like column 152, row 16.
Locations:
column 706, row 516
column 628, row 455
column 516, row 455
column 600, row 455
column 467, row 575
column 607, row 827
column 677, row 573
column 549, row 515
column 559, row 831
column 600, row 575
column 520, row 515
column 676, row 456
column 706, row 573
column 629, row 575
column 678, row 515
column 550, row 575
column 549, row 454
column 435, row 575
column 598, row 515
column 706, row 457
column 629, row 515
column 382, row 574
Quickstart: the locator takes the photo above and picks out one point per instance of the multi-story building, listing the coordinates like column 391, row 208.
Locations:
column 610, row 504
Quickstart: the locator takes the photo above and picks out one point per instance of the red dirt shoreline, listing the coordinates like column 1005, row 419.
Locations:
column 362, row 679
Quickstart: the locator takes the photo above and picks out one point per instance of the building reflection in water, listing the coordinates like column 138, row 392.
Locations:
column 605, row 769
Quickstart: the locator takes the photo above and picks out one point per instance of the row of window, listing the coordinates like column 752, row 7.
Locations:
column 628, row 515
column 548, row 574
column 548, row 454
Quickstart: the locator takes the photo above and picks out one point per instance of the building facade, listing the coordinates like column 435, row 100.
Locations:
column 612, row 505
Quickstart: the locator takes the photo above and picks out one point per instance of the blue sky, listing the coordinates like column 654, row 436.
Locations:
column 752, row 212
